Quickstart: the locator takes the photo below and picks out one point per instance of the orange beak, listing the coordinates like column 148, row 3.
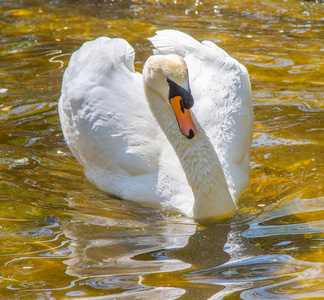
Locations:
column 183, row 116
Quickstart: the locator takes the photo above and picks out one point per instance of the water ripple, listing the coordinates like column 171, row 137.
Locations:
column 243, row 276
column 258, row 227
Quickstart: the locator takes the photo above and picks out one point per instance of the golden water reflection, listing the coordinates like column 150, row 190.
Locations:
column 62, row 238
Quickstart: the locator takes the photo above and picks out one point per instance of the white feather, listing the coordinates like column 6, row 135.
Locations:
column 111, row 131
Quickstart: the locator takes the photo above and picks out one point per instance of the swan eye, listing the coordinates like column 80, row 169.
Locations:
column 176, row 90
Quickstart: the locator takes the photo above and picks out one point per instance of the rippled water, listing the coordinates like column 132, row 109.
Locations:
column 61, row 238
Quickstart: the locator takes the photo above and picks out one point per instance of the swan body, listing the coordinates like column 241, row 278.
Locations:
column 125, row 131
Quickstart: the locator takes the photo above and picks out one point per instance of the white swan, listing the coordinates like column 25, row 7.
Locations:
column 140, row 142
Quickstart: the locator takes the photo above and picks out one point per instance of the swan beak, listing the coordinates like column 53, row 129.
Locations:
column 183, row 116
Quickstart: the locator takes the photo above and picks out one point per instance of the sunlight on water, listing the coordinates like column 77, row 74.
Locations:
column 61, row 238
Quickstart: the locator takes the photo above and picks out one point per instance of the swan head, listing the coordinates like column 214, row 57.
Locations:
column 167, row 76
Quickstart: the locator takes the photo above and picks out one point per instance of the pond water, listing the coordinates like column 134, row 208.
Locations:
column 61, row 238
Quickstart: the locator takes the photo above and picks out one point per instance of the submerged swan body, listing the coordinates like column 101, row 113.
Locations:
column 180, row 134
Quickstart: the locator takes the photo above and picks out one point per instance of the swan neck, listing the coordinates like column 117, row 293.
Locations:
column 199, row 161
column 205, row 176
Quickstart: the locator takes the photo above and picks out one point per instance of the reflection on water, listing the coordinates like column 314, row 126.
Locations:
column 151, row 251
column 62, row 238
column 116, row 245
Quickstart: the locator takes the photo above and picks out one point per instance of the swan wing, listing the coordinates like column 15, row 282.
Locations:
column 109, row 128
column 223, row 102
column 104, row 115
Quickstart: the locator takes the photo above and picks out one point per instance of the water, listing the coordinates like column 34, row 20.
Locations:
column 62, row 238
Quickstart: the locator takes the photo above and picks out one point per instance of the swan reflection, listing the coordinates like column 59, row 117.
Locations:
column 134, row 250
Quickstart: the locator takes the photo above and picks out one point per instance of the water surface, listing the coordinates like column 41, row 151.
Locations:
column 61, row 238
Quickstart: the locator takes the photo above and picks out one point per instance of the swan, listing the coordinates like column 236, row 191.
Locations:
column 179, row 134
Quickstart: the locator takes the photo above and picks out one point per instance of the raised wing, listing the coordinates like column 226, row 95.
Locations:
column 223, row 103
column 104, row 115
